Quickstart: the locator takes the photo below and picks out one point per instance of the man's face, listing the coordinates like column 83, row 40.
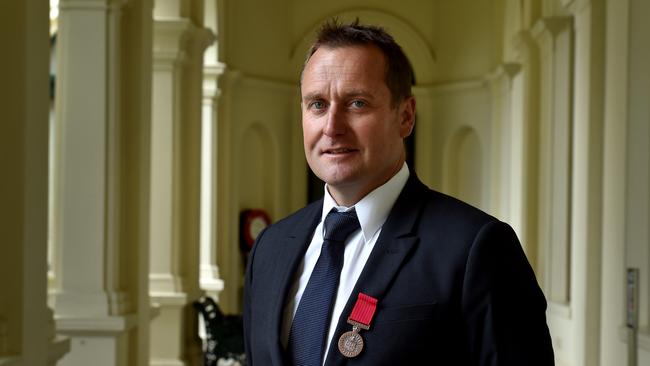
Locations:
column 352, row 132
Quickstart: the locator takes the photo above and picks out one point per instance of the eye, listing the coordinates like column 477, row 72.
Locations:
column 317, row 104
column 358, row 103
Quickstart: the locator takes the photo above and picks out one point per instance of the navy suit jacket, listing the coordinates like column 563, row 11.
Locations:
column 453, row 284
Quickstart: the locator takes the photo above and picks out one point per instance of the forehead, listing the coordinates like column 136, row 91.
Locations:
column 362, row 65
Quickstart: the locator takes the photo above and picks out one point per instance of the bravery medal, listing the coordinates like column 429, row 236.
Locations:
column 351, row 342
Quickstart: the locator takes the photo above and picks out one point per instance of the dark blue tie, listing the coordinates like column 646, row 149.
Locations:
column 311, row 323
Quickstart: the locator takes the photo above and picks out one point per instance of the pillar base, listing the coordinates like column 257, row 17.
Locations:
column 169, row 346
column 97, row 341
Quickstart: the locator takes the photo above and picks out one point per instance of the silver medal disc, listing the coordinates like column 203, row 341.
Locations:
column 350, row 344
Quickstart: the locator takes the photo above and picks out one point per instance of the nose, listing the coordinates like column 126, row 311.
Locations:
column 335, row 123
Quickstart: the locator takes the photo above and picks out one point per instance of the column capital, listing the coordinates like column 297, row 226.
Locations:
column 576, row 6
column 551, row 26
column 567, row 3
column 210, row 280
column 174, row 39
column 505, row 69
column 202, row 38
column 167, row 36
column 211, row 75
column 523, row 45
column 169, row 8
column 230, row 78
column 499, row 79
column 214, row 70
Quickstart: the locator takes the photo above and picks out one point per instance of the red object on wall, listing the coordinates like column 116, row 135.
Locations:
column 252, row 222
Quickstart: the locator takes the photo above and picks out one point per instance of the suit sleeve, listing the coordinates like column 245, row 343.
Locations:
column 248, row 282
column 503, row 307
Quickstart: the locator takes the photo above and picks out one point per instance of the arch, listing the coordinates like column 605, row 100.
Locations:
column 419, row 52
column 463, row 166
column 257, row 162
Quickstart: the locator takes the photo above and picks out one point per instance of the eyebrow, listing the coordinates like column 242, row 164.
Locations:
column 312, row 96
column 347, row 95
column 359, row 93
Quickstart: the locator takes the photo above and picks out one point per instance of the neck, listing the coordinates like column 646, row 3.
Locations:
column 349, row 195
column 345, row 198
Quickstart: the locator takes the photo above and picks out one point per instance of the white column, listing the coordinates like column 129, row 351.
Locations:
column 210, row 281
column 586, row 191
column 90, row 306
column 613, row 350
column 500, row 83
column 227, row 194
column 175, row 184
column 167, row 65
column 637, row 179
column 209, row 271
column 165, row 279
column 554, row 36
column 523, row 128
column 86, row 116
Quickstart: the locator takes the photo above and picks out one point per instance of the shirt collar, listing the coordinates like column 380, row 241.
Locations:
column 373, row 209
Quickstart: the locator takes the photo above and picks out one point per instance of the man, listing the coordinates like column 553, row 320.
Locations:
column 383, row 270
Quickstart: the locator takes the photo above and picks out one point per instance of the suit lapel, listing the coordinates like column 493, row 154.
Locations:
column 396, row 241
column 290, row 252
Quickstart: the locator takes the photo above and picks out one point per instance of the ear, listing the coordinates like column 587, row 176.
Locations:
column 407, row 116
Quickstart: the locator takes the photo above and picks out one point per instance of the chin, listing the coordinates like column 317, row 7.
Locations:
column 342, row 184
column 337, row 176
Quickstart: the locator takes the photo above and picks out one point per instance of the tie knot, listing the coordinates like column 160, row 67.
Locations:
column 339, row 225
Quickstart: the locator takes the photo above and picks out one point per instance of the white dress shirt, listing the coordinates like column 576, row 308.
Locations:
column 372, row 212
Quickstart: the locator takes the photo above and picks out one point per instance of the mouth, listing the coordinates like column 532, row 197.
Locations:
column 338, row 151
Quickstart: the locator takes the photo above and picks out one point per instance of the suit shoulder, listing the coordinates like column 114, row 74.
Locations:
column 456, row 205
column 454, row 212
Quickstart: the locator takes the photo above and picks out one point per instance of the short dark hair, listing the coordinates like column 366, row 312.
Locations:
column 399, row 72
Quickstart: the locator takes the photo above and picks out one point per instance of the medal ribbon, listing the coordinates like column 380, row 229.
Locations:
column 364, row 310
